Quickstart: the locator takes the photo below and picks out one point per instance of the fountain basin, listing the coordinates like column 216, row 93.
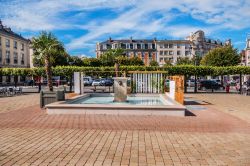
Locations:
column 139, row 104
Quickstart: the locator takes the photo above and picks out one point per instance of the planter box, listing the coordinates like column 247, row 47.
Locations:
column 47, row 97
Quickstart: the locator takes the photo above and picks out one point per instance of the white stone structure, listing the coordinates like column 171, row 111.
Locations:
column 247, row 51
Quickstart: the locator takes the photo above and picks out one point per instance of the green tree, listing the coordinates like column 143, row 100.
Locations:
column 184, row 61
column 168, row 63
column 153, row 63
column 46, row 46
column 75, row 60
column 58, row 59
column 135, row 61
column 109, row 57
column 221, row 56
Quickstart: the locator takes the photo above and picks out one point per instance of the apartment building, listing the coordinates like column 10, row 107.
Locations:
column 163, row 50
column 14, row 51
column 171, row 50
column 247, row 51
column 144, row 49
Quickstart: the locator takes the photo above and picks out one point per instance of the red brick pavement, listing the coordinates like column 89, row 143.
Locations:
column 203, row 121
column 29, row 136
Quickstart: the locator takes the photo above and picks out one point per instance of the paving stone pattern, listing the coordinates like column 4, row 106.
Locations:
column 28, row 136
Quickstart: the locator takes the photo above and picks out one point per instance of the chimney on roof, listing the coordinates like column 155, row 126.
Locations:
column 155, row 39
column 110, row 39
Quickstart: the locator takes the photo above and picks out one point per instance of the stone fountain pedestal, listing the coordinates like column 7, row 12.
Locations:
column 120, row 89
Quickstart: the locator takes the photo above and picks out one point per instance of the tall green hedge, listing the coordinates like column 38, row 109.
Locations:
column 171, row 70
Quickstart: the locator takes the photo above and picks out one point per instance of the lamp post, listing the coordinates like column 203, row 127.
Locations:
column 195, row 63
column 70, row 82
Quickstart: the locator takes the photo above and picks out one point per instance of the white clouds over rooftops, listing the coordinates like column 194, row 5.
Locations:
column 144, row 17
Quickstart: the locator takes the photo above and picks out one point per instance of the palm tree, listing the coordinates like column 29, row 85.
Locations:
column 46, row 46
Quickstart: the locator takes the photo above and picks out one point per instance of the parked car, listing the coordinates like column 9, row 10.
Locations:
column 29, row 82
column 96, row 82
column 107, row 82
column 87, row 81
column 217, row 80
column 209, row 84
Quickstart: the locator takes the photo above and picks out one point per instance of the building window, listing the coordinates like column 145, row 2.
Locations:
column 178, row 52
column 15, row 58
column 161, row 59
column 7, row 42
column 165, row 52
column 22, row 59
column 1, row 57
column 186, row 53
column 15, row 44
column 150, row 55
column 115, row 46
column 142, row 46
column 146, row 46
column 161, row 52
column 131, row 46
column 22, row 47
column 170, row 45
column 171, row 52
column 104, row 46
column 149, row 46
column 138, row 46
column 161, row 45
column 123, row 46
column 153, row 46
column 165, row 45
column 127, row 45
column 0, row 41
column 7, row 57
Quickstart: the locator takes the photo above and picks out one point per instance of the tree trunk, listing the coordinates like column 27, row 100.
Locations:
column 70, row 84
column 48, row 73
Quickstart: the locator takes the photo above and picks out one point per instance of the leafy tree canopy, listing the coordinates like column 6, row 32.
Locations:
column 153, row 63
column 221, row 56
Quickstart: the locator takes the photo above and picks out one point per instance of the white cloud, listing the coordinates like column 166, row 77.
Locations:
column 138, row 19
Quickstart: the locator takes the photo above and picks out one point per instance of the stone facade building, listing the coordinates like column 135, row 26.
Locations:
column 247, row 51
column 170, row 50
column 14, row 52
column 163, row 50
column 144, row 49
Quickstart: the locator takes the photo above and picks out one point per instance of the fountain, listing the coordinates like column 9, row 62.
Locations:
column 120, row 89
column 118, row 103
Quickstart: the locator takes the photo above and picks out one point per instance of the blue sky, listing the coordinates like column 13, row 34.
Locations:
column 79, row 24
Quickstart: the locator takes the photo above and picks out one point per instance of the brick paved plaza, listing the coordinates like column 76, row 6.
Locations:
column 211, row 134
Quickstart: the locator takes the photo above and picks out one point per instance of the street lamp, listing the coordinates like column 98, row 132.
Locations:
column 191, row 48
